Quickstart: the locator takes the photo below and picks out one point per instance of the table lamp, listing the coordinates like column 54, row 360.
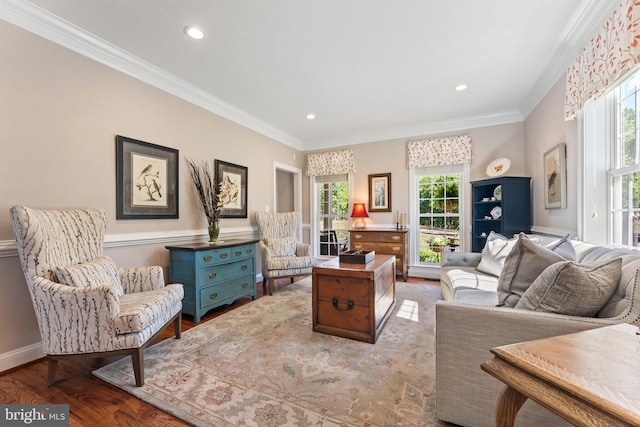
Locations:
column 359, row 211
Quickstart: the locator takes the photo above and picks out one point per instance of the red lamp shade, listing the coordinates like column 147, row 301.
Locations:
column 359, row 211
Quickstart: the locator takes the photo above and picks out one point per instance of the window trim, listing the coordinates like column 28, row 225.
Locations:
column 433, row 271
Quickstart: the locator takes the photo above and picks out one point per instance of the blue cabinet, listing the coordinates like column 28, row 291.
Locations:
column 213, row 275
column 502, row 205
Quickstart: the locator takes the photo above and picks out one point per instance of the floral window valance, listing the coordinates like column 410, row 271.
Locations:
column 453, row 150
column 612, row 51
column 330, row 163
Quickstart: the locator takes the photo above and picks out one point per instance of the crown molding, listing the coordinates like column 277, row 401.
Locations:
column 51, row 27
column 466, row 123
column 587, row 23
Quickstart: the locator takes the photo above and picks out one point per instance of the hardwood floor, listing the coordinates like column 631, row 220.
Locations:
column 94, row 402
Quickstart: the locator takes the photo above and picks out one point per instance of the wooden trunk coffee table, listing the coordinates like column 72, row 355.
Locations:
column 354, row 300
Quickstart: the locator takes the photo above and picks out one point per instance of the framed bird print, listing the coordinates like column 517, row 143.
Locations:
column 231, row 188
column 555, row 176
column 146, row 180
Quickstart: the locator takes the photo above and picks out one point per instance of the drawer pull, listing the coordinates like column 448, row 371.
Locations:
column 349, row 306
column 238, row 253
column 249, row 251
column 357, row 236
column 213, row 296
column 244, row 267
column 396, row 248
column 212, row 275
column 207, row 258
column 244, row 285
column 395, row 237
column 357, row 246
column 223, row 255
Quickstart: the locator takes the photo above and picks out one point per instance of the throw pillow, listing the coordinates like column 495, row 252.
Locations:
column 573, row 289
column 282, row 246
column 496, row 250
column 523, row 265
column 101, row 271
column 494, row 253
column 564, row 248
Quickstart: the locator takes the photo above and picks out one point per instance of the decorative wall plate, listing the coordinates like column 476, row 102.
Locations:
column 497, row 192
column 496, row 212
column 498, row 167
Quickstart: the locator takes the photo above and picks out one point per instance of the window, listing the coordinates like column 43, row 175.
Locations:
column 611, row 166
column 332, row 213
column 439, row 212
column 625, row 170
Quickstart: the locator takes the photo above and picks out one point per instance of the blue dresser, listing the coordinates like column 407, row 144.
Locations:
column 213, row 275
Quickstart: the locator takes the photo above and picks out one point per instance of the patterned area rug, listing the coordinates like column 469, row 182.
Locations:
column 262, row 365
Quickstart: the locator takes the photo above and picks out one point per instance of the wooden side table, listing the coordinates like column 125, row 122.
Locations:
column 587, row 378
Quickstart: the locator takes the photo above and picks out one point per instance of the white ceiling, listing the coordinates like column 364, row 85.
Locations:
column 368, row 69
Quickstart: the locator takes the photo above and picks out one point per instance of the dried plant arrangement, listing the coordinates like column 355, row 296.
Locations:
column 204, row 184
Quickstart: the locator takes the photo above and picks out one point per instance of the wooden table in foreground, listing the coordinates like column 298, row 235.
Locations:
column 354, row 300
column 589, row 378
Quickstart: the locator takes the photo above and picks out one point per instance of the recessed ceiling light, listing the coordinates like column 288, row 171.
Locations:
column 311, row 116
column 461, row 87
column 194, row 32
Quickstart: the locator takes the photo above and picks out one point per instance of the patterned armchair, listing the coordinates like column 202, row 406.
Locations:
column 84, row 304
column 282, row 255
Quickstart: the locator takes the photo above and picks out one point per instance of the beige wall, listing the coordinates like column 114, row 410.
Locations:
column 544, row 128
column 488, row 142
column 59, row 115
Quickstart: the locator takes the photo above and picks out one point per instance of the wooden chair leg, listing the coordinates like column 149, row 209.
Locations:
column 264, row 282
column 292, row 280
column 270, row 285
column 177, row 326
column 137, row 357
column 52, row 367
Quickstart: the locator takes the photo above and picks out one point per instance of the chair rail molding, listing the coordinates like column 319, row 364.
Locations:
column 8, row 248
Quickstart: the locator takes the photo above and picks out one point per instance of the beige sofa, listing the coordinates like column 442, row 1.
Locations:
column 468, row 325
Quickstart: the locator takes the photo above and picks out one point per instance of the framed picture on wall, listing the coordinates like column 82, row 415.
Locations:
column 555, row 174
column 146, row 180
column 231, row 185
column 380, row 192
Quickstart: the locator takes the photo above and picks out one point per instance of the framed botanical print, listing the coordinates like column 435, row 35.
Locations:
column 380, row 192
column 555, row 174
column 231, row 187
column 146, row 180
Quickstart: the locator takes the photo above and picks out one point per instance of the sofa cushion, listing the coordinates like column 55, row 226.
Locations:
column 100, row 271
column 523, row 265
column 573, row 289
column 564, row 248
column 494, row 253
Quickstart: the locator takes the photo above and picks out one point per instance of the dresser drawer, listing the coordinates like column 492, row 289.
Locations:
column 213, row 256
column 242, row 252
column 233, row 289
column 377, row 236
column 220, row 273
column 381, row 248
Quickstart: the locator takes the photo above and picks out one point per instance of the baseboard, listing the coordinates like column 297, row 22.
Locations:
column 21, row 356
column 425, row 272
